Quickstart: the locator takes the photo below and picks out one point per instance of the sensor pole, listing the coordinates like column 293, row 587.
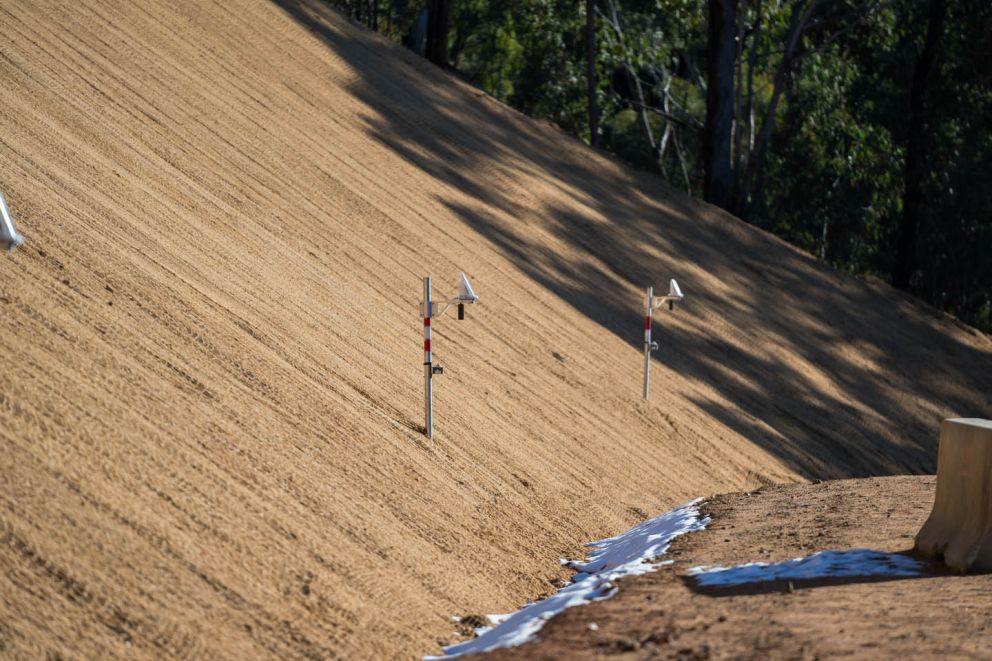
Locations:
column 428, row 366
column 647, row 341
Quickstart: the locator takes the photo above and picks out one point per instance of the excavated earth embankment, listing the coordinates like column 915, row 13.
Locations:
column 210, row 394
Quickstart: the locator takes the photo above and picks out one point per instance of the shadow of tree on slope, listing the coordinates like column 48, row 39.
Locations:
column 633, row 230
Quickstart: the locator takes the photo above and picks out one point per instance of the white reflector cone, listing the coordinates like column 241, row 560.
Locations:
column 465, row 293
column 9, row 238
column 673, row 289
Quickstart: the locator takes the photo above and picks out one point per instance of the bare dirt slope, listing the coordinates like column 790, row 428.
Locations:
column 210, row 396
column 663, row 615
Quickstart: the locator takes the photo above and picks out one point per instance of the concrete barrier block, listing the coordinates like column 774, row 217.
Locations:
column 960, row 526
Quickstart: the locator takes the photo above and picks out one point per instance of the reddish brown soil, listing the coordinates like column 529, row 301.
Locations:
column 210, row 347
column 664, row 615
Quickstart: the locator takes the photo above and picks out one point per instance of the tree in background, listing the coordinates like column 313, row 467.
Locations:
column 591, row 82
column 916, row 146
column 749, row 184
column 438, row 13
column 952, row 268
column 721, row 46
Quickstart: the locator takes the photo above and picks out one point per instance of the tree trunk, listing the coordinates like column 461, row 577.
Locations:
column 748, row 149
column 753, row 190
column 717, row 135
column 738, row 129
column 591, row 72
column 642, row 110
column 437, row 31
column 634, row 81
column 926, row 65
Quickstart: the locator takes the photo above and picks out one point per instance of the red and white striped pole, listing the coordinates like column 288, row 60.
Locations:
column 647, row 341
column 428, row 366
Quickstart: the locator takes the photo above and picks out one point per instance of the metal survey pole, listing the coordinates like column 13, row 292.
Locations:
column 428, row 367
column 9, row 238
column 647, row 341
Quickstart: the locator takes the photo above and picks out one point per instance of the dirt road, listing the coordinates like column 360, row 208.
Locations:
column 667, row 615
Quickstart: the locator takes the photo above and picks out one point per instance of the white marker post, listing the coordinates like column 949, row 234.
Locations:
column 430, row 311
column 9, row 238
column 674, row 296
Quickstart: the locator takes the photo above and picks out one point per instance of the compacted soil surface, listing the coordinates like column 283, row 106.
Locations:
column 666, row 615
column 211, row 349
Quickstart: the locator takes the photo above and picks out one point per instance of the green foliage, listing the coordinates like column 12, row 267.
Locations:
column 955, row 271
column 841, row 203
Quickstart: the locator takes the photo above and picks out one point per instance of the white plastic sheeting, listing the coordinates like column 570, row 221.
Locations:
column 627, row 554
column 855, row 563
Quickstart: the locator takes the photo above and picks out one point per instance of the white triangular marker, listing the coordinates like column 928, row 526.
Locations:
column 465, row 293
column 9, row 238
column 673, row 289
